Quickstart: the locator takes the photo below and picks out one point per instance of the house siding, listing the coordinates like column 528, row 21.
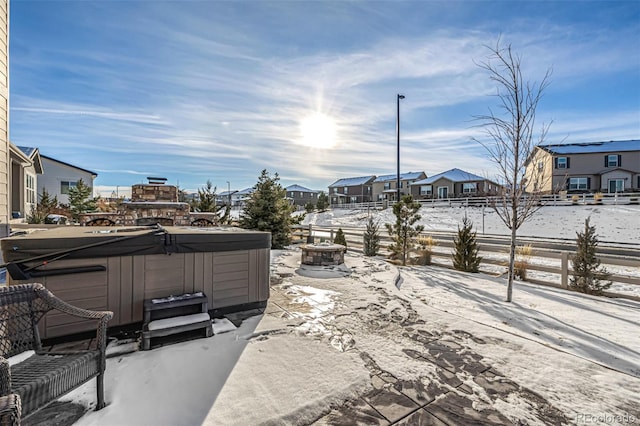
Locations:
column 4, row 119
column 55, row 172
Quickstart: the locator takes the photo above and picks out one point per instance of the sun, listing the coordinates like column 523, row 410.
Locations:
column 318, row 131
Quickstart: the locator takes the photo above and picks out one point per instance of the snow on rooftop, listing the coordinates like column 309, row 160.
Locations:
column 361, row 180
column 454, row 175
column 403, row 176
column 299, row 188
column 593, row 147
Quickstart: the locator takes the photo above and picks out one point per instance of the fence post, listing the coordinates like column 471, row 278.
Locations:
column 331, row 235
column 564, row 266
column 310, row 239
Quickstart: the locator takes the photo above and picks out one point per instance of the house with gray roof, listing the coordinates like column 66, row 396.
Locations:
column 58, row 176
column 454, row 183
column 612, row 166
column 385, row 186
column 351, row 190
column 298, row 195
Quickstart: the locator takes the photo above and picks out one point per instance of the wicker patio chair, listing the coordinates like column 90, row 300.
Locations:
column 45, row 376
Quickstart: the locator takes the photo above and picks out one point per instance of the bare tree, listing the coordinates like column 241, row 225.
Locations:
column 511, row 142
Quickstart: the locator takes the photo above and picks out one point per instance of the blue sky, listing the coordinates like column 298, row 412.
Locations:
column 197, row 90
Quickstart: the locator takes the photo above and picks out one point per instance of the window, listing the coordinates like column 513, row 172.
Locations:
column 426, row 190
column 468, row 187
column 354, row 199
column 31, row 189
column 387, row 185
column 562, row 163
column 345, row 190
column 301, row 195
column 540, row 166
column 65, row 185
column 578, row 184
column 612, row 160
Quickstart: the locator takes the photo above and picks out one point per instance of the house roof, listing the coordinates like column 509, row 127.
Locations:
column 29, row 154
column 454, row 175
column 403, row 176
column 299, row 188
column 353, row 181
column 27, row 150
column 69, row 165
column 593, row 147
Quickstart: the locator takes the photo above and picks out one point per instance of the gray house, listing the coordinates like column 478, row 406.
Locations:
column 612, row 166
column 385, row 187
column 351, row 190
column 454, row 183
column 301, row 196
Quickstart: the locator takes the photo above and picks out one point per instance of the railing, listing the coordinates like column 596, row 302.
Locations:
column 549, row 256
column 561, row 199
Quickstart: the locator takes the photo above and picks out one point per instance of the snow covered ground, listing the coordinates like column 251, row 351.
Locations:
column 339, row 338
column 620, row 224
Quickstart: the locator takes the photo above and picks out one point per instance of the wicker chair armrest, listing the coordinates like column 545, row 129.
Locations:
column 10, row 410
column 67, row 308
column 5, row 377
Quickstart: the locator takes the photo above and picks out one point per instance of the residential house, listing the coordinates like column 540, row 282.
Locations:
column 385, row 187
column 612, row 166
column 24, row 165
column 59, row 176
column 238, row 198
column 454, row 183
column 5, row 209
column 301, row 196
column 351, row 190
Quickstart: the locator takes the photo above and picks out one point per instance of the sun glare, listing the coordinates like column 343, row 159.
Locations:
column 318, row 131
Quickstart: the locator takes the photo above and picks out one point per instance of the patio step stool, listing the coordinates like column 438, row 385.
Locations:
column 175, row 315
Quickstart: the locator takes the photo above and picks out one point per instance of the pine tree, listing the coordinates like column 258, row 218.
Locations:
column 80, row 200
column 340, row 238
column 46, row 205
column 267, row 209
column 206, row 201
column 371, row 239
column 588, row 277
column 403, row 231
column 309, row 207
column 323, row 202
column 465, row 257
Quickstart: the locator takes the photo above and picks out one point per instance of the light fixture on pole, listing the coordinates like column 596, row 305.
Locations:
column 398, row 136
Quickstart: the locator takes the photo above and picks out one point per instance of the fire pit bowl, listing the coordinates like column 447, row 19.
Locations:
column 323, row 254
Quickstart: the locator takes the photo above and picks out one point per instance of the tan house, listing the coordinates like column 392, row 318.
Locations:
column 454, row 183
column 612, row 166
column 5, row 208
column 25, row 166
column 385, row 187
column 351, row 190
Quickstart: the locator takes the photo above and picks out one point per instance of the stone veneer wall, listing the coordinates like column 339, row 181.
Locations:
column 149, row 192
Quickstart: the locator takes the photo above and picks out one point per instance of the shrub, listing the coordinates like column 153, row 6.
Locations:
column 403, row 231
column 339, row 238
column 425, row 250
column 521, row 265
column 588, row 276
column 371, row 239
column 309, row 207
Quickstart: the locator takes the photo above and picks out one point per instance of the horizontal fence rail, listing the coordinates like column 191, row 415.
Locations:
column 623, row 198
column 548, row 255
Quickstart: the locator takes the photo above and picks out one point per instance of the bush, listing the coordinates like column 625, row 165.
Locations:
column 309, row 207
column 339, row 238
column 425, row 250
column 371, row 239
column 588, row 276
column 465, row 256
column 521, row 265
column 403, row 231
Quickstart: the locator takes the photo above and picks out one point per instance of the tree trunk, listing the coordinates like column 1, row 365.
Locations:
column 512, row 259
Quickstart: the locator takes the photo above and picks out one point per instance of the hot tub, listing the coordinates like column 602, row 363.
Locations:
column 116, row 269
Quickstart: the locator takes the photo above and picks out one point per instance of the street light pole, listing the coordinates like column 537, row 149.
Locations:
column 229, row 193
column 398, row 138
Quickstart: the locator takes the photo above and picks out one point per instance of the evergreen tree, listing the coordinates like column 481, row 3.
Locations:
column 403, row 231
column 323, row 202
column 267, row 209
column 46, row 205
column 465, row 257
column 371, row 239
column 340, row 238
column 588, row 277
column 81, row 200
column 310, row 207
column 206, row 201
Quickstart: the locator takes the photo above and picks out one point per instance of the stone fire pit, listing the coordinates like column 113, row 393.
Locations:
column 323, row 254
